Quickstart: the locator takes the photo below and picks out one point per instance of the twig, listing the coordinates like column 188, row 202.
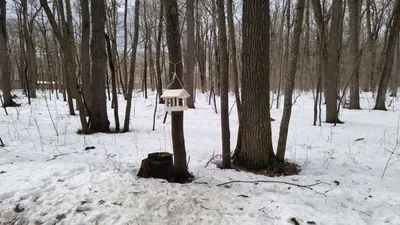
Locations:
column 51, row 117
column 393, row 150
column 2, row 104
column 307, row 186
column 5, row 149
column 2, row 143
column 211, row 159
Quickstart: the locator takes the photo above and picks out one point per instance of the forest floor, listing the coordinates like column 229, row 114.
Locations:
column 48, row 177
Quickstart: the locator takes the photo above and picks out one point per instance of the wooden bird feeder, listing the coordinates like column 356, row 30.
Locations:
column 175, row 100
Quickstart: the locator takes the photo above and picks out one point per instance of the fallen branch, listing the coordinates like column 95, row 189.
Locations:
column 307, row 186
column 55, row 157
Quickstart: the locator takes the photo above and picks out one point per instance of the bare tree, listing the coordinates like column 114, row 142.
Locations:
column 68, row 62
column 290, row 81
column 224, row 61
column 85, row 53
column 30, row 48
column 132, row 68
column 158, row 52
column 354, row 26
column 181, row 173
column 190, row 52
column 332, row 72
column 256, row 150
column 99, row 117
column 388, row 60
column 5, row 58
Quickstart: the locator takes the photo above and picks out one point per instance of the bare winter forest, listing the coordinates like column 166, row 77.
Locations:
column 237, row 112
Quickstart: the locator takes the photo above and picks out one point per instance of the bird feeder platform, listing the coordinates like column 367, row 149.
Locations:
column 175, row 100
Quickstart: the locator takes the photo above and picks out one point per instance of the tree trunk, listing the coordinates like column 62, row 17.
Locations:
column 215, row 65
column 125, row 58
column 30, row 51
column 181, row 173
column 5, row 58
column 395, row 71
column 69, row 70
column 114, row 83
column 256, row 151
column 201, row 52
column 388, row 60
column 331, row 78
column 234, row 66
column 158, row 53
column 66, row 50
column 190, row 52
column 85, row 54
column 354, row 57
column 99, row 117
column 132, row 67
column 290, row 81
column 224, row 61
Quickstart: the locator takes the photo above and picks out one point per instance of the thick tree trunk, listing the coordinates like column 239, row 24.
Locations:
column 132, row 67
column 85, row 54
column 353, row 52
column 99, row 117
column 388, row 60
column 181, row 173
column 5, row 58
column 290, row 81
column 224, row 61
column 331, row 79
column 190, row 52
column 256, row 151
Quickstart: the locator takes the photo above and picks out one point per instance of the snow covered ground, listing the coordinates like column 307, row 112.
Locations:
column 47, row 178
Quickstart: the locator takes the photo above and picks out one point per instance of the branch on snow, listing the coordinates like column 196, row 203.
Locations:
column 306, row 186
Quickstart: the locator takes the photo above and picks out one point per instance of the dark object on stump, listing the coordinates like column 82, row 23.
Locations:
column 157, row 165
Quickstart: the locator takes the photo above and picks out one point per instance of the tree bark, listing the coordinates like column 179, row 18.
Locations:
column 5, row 58
column 224, row 61
column 388, row 60
column 30, row 50
column 181, row 173
column 99, row 117
column 132, row 67
column 190, row 52
column 85, row 53
column 353, row 53
column 332, row 72
column 125, row 58
column 290, row 81
column 158, row 52
column 201, row 52
column 234, row 65
column 256, row 151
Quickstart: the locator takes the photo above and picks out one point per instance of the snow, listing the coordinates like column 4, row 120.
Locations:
column 53, row 178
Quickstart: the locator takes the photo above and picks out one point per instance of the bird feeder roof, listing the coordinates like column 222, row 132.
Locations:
column 175, row 93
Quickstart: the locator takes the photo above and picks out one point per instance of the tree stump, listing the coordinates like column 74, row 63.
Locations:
column 157, row 165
